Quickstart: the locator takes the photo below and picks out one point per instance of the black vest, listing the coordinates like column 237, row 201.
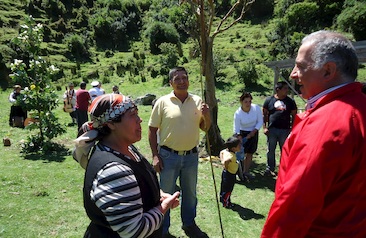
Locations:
column 146, row 179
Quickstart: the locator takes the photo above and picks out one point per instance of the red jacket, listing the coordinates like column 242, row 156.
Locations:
column 321, row 186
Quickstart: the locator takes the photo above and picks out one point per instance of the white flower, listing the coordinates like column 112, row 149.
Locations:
column 53, row 68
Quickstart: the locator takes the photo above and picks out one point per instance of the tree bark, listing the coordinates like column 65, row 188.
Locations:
column 214, row 135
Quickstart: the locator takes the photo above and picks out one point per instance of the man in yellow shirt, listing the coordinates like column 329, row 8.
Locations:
column 176, row 119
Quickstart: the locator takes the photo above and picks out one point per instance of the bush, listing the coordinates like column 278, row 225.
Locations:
column 353, row 18
column 116, row 23
column 160, row 32
column 168, row 59
column 78, row 47
column 247, row 73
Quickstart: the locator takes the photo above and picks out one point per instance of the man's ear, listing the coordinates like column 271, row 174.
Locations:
column 330, row 70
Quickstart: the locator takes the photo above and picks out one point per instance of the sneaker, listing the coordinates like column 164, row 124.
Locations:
column 270, row 173
column 229, row 206
column 193, row 231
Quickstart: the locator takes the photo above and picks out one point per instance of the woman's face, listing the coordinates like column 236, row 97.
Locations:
column 129, row 128
column 246, row 103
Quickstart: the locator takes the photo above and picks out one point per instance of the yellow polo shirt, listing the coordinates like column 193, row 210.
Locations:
column 178, row 122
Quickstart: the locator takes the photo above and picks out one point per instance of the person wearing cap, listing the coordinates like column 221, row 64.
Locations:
column 16, row 110
column 176, row 119
column 70, row 98
column 321, row 186
column 122, row 197
column 96, row 90
column 82, row 103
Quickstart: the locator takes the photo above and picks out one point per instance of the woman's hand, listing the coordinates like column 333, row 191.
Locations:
column 168, row 201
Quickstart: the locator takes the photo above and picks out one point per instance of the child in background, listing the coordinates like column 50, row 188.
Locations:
column 228, row 178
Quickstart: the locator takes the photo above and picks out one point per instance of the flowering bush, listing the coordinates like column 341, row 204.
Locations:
column 40, row 97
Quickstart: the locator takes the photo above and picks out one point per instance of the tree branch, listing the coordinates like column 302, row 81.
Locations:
column 245, row 8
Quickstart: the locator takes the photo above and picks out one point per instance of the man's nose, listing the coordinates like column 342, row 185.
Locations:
column 294, row 73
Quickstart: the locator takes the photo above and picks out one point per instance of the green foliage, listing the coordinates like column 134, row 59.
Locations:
column 78, row 47
column 160, row 32
column 304, row 12
column 247, row 73
column 281, row 7
column 168, row 59
column 40, row 99
column 115, row 23
column 288, row 29
column 353, row 19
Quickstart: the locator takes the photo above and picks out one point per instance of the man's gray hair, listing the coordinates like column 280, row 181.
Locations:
column 329, row 46
column 176, row 69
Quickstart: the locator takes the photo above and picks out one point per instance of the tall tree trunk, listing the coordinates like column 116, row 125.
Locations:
column 214, row 136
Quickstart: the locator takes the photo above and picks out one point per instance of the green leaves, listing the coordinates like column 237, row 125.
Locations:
column 39, row 97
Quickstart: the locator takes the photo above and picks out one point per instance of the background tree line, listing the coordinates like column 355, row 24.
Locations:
column 83, row 27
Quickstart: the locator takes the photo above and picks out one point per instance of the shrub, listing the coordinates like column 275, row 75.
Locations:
column 160, row 32
column 78, row 47
column 353, row 18
column 168, row 59
column 247, row 73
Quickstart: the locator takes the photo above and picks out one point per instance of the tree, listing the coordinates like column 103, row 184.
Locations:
column 40, row 99
column 204, row 13
column 353, row 19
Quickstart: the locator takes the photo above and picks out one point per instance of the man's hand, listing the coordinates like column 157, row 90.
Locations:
column 157, row 163
column 206, row 122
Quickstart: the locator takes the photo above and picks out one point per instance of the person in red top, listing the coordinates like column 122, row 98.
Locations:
column 321, row 185
column 82, row 103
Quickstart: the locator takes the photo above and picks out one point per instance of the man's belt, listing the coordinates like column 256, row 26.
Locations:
column 185, row 152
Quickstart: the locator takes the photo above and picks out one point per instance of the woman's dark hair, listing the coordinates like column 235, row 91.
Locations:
column 245, row 95
column 105, row 130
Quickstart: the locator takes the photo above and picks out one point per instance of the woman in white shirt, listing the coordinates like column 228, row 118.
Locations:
column 248, row 119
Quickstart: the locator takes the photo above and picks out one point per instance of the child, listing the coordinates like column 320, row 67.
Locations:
column 228, row 159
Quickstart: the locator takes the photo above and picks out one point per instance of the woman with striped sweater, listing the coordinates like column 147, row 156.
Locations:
column 121, row 192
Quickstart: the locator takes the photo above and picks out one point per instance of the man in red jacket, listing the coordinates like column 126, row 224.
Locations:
column 321, row 186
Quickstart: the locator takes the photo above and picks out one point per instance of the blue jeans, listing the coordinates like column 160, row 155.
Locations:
column 275, row 135
column 185, row 167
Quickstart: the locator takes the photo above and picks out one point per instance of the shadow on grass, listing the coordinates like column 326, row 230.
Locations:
column 246, row 213
column 57, row 153
column 260, row 181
